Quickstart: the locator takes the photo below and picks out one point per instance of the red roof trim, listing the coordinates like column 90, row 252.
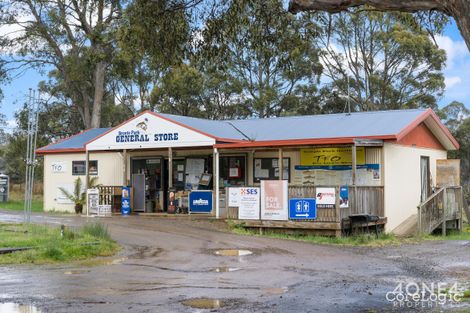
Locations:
column 68, row 150
column 194, row 129
column 300, row 142
column 426, row 114
column 42, row 151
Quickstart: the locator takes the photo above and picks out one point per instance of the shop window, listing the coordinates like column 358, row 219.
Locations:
column 232, row 170
column 93, row 167
column 268, row 169
column 78, row 167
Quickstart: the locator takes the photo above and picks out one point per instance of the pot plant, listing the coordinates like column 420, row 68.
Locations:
column 78, row 196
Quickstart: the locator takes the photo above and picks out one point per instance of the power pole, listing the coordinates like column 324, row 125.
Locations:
column 31, row 141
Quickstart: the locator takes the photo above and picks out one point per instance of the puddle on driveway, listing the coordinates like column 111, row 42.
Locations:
column 275, row 291
column 75, row 272
column 10, row 307
column 225, row 269
column 203, row 303
column 233, row 252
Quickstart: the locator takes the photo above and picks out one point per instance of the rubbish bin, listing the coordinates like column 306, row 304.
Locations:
column 4, row 187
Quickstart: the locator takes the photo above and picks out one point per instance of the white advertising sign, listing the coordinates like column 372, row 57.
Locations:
column 249, row 203
column 149, row 130
column 274, row 200
column 326, row 196
column 59, row 167
column 233, row 196
column 104, row 210
column 93, row 199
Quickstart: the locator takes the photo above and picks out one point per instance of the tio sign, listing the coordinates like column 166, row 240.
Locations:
column 249, row 204
column 274, row 204
column 59, row 167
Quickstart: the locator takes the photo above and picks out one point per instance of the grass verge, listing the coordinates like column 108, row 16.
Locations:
column 368, row 240
column 18, row 205
column 49, row 246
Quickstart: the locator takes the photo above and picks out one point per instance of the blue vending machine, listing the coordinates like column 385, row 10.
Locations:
column 126, row 200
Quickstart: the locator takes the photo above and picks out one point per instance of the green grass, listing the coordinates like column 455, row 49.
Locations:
column 48, row 246
column 359, row 240
column 18, row 205
column 369, row 240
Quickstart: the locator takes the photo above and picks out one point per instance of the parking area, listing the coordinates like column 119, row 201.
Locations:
column 167, row 261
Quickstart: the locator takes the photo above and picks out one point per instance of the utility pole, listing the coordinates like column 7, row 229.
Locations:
column 30, row 160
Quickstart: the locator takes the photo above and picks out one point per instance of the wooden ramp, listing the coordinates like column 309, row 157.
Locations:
column 408, row 228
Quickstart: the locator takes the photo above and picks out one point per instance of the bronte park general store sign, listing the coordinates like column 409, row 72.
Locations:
column 150, row 130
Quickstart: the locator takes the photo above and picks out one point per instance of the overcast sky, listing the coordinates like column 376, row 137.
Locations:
column 456, row 76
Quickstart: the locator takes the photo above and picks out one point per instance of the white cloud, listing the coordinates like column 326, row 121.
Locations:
column 452, row 81
column 455, row 50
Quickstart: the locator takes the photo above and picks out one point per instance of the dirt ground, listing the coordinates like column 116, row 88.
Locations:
column 166, row 261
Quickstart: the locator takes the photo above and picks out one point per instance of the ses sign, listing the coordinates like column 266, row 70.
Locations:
column 200, row 201
column 59, row 167
column 249, row 204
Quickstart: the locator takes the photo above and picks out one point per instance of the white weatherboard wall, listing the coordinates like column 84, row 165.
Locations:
column 109, row 173
column 403, row 182
column 149, row 131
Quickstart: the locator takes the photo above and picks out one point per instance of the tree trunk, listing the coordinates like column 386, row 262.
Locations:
column 458, row 9
column 99, row 75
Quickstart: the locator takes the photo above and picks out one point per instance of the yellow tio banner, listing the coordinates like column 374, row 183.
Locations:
column 331, row 156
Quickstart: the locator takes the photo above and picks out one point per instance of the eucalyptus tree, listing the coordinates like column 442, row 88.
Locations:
column 458, row 9
column 269, row 54
column 379, row 61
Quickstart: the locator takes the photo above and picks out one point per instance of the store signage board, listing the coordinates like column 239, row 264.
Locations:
column 200, row 201
column 249, row 203
column 331, row 156
column 274, row 204
column 302, row 209
column 149, row 131
column 326, row 197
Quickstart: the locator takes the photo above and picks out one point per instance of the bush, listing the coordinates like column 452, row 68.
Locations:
column 97, row 230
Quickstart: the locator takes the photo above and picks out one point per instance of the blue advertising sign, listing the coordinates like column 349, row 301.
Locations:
column 302, row 209
column 126, row 200
column 200, row 201
column 343, row 197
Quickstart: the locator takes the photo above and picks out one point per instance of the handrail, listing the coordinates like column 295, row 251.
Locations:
column 431, row 197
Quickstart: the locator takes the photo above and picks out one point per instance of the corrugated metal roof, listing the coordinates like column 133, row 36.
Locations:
column 361, row 124
column 75, row 142
column 219, row 129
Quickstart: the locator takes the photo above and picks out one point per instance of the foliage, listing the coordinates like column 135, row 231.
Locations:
column 457, row 118
column 48, row 246
column 78, row 196
column 268, row 53
column 381, row 61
